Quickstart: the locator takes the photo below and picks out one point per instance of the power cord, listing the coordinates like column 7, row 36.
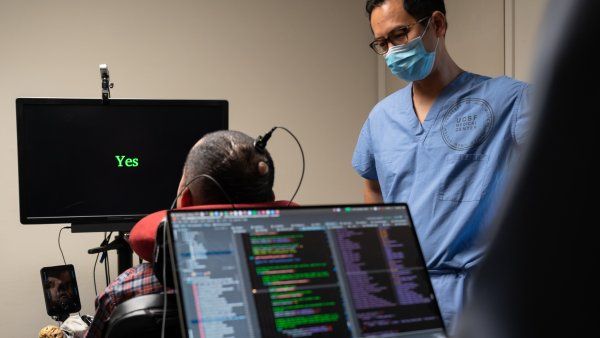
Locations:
column 102, row 244
column 94, row 274
column 104, row 259
column 59, row 247
column 107, row 263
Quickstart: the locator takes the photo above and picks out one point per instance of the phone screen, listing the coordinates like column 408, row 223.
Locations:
column 60, row 290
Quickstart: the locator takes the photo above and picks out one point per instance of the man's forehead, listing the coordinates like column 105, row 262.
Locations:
column 388, row 16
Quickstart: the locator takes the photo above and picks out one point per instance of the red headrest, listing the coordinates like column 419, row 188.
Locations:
column 143, row 234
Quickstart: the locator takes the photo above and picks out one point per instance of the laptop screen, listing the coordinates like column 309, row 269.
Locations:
column 327, row 271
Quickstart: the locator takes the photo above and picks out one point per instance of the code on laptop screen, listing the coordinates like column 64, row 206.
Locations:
column 328, row 271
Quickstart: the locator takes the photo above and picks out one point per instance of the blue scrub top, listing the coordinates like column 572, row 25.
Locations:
column 446, row 169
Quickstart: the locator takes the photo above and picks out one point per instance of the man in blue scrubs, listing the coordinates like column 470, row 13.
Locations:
column 442, row 144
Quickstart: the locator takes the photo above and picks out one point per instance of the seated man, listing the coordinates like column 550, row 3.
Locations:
column 245, row 176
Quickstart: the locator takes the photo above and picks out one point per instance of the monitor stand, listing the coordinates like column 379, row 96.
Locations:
column 124, row 253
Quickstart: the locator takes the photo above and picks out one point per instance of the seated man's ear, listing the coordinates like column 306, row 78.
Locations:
column 185, row 199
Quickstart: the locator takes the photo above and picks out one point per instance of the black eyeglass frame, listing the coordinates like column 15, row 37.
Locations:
column 381, row 45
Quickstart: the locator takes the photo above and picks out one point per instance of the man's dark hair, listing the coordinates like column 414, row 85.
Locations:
column 417, row 8
column 231, row 159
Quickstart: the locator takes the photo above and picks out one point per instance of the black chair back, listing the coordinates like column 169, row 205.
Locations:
column 142, row 316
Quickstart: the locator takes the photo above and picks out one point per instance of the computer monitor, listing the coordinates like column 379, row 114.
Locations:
column 320, row 271
column 85, row 161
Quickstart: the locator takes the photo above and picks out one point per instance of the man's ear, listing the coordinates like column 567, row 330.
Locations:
column 186, row 199
column 440, row 23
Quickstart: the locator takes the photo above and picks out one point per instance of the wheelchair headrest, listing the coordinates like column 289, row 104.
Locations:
column 143, row 235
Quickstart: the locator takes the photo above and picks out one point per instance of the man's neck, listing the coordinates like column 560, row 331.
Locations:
column 431, row 86
column 424, row 92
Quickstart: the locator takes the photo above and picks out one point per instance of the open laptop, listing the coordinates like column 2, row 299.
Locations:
column 318, row 271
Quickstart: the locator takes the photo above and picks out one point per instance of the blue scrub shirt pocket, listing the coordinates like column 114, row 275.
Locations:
column 466, row 178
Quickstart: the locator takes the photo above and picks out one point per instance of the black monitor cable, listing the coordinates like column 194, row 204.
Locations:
column 104, row 259
column 94, row 274
column 59, row 247
column 107, row 264
column 104, row 242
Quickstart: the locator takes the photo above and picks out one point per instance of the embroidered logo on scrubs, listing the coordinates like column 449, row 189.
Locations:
column 467, row 123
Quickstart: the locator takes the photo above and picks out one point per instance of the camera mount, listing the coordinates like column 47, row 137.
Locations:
column 106, row 84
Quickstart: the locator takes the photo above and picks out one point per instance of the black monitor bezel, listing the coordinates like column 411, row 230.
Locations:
column 92, row 219
column 177, row 282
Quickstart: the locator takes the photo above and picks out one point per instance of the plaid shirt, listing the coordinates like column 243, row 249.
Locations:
column 136, row 281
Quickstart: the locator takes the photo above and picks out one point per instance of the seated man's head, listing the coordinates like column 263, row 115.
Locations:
column 229, row 157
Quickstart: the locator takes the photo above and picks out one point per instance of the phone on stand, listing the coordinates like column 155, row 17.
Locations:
column 60, row 291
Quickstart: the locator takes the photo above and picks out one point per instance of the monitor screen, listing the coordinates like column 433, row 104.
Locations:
column 82, row 161
column 329, row 271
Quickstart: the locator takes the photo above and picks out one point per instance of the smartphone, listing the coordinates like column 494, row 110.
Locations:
column 60, row 290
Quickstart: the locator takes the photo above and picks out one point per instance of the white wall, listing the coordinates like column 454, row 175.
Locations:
column 528, row 15
column 300, row 64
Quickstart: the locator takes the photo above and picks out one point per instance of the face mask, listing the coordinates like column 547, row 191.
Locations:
column 410, row 61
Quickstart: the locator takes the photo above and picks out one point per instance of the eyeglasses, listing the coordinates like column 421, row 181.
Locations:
column 398, row 36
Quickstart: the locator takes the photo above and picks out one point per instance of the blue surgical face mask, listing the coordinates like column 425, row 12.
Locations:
column 410, row 61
